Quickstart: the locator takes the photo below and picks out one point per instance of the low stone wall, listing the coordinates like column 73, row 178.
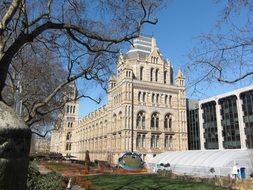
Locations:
column 217, row 181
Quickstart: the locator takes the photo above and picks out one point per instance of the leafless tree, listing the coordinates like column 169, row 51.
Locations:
column 84, row 36
column 30, row 80
column 225, row 54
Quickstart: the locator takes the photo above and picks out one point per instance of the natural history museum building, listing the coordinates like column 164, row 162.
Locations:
column 146, row 111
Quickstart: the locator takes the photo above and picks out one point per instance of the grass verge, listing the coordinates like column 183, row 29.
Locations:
column 139, row 182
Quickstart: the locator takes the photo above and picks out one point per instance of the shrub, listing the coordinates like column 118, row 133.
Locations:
column 50, row 181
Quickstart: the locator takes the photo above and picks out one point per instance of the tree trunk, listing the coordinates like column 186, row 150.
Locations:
column 4, row 66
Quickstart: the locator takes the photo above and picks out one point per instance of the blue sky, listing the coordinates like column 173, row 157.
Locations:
column 179, row 25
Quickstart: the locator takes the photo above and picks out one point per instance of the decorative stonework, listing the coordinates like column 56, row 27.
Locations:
column 143, row 84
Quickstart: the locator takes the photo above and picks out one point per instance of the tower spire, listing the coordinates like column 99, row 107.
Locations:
column 153, row 44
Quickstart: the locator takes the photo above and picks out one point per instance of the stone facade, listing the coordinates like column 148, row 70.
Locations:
column 39, row 145
column 146, row 111
column 61, row 136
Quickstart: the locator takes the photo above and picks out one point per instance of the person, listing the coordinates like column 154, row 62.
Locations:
column 69, row 184
column 235, row 171
column 212, row 171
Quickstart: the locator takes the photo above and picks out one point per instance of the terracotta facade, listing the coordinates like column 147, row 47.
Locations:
column 146, row 111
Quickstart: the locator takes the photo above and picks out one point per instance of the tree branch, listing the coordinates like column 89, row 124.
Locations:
column 36, row 106
column 44, row 135
column 8, row 15
column 235, row 80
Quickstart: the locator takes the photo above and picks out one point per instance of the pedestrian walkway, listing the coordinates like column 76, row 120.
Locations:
column 76, row 187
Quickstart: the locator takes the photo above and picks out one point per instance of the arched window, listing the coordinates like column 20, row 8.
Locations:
column 156, row 74
column 153, row 98
column 167, row 121
column 74, row 109
column 144, row 96
column 70, row 111
column 67, row 109
column 68, row 138
column 157, row 98
column 166, row 99
column 165, row 76
column 101, row 128
column 141, row 73
column 167, row 141
column 140, row 123
column 138, row 140
column 119, row 125
column 155, row 120
column 115, row 122
column 151, row 74
column 143, row 140
column 68, row 146
column 129, row 74
column 70, row 124
column 139, row 96
column 153, row 141
column 154, row 59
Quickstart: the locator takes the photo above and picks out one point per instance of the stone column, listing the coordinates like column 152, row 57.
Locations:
column 201, row 129
column 219, row 126
column 15, row 139
column 148, row 141
column 239, row 104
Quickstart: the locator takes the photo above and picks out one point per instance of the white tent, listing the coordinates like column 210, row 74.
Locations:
column 200, row 162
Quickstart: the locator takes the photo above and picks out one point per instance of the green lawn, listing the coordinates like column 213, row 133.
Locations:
column 144, row 182
column 60, row 167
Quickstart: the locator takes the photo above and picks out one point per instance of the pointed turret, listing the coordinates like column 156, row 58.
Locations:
column 180, row 79
column 112, row 81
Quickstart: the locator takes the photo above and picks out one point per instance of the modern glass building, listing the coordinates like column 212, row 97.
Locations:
column 247, row 109
column 209, row 125
column 229, row 122
column 223, row 122
column 193, row 124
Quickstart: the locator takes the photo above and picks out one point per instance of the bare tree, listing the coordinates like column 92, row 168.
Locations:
column 30, row 80
column 85, row 36
column 225, row 54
